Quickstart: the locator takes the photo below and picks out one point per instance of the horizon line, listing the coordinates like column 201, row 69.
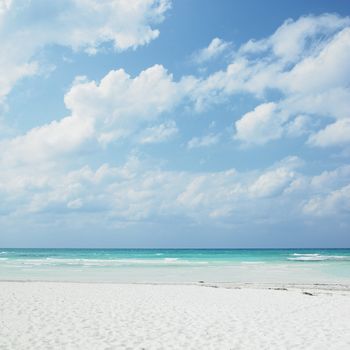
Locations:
column 177, row 248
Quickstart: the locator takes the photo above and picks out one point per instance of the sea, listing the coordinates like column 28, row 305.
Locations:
column 299, row 266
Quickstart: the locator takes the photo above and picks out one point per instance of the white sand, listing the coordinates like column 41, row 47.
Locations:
column 111, row 316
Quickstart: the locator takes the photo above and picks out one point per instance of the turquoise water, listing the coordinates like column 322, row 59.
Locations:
column 177, row 265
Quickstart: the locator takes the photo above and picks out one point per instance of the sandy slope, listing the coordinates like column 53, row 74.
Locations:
column 110, row 316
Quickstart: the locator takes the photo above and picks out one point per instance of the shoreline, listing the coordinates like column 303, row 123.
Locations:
column 225, row 285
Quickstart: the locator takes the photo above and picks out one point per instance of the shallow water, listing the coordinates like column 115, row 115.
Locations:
column 177, row 265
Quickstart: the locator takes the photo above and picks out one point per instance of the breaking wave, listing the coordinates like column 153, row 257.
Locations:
column 318, row 257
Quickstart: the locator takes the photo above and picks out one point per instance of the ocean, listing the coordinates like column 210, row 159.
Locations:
column 177, row 265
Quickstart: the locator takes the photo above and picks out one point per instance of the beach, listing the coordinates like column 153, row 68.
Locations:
column 59, row 315
column 174, row 299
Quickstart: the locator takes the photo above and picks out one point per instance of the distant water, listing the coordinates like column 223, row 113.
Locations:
column 177, row 265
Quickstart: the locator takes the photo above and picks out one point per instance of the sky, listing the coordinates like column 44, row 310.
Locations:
column 181, row 124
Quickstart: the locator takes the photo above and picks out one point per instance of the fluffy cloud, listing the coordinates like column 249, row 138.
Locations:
column 334, row 134
column 216, row 47
column 330, row 103
column 300, row 125
column 47, row 142
column 328, row 69
column 261, row 125
column 336, row 202
column 159, row 133
column 121, row 101
column 330, row 180
column 83, row 25
column 293, row 39
column 309, row 72
column 137, row 190
column 271, row 182
column 111, row 109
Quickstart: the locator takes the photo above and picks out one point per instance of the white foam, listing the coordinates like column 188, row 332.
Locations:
column 299, row 254
column 318, row 257
column 106, row 262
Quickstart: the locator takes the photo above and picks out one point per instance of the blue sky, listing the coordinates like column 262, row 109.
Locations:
column 174, row 123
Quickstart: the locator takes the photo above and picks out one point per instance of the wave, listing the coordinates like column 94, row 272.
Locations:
column 318, row 257
column 308, row 254
column 79, row 262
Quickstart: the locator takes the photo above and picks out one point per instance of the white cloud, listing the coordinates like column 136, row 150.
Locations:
column 83, row 25
column 159, row 133
column 114, row 108
column 293, row 39
column 234, row 194
column 216, row 47
column 299, row 126
column 118, row 95
column 120, row 104
column 204, row 141
column 47, row 142
column 309, row 71
column 335, row 134
column 336, row 203
column 271, row 182
column 261, row 125
column 327, row 69
column 330, row 103
column 331, row 179
column 138, row 191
